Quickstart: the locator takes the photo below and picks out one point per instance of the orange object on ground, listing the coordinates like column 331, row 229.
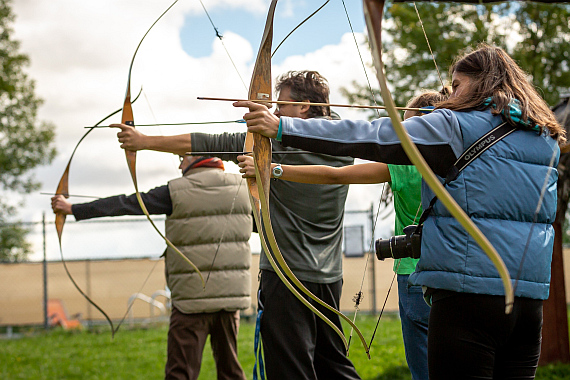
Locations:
column 57, row 315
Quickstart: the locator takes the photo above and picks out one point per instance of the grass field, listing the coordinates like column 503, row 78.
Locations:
column 141, row 353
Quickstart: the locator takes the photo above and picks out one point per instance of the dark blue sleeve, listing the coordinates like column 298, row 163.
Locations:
column 157, row 202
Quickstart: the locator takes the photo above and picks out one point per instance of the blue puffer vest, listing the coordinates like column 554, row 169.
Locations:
column 500, row 191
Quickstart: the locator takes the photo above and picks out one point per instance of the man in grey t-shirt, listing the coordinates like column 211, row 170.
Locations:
column 307, row 222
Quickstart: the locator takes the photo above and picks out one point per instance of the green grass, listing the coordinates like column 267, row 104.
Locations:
column 141, row 354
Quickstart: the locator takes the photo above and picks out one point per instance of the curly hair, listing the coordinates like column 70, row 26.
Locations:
column 307, row 86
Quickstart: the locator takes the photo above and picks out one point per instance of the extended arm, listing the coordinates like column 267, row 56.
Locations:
column 156, row 200
column 374, row 172
column 437, row 136
column 132, row 139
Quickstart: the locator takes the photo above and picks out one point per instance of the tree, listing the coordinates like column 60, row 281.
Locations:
column 406, row 55
column 25, row 143
column 544, row 51
column 543, row 47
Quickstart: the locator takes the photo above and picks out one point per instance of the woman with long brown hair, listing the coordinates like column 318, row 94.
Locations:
column 469, row 334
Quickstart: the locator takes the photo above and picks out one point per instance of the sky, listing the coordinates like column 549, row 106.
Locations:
column 80, row 54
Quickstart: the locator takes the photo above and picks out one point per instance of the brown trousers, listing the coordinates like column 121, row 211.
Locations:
column 186, row 339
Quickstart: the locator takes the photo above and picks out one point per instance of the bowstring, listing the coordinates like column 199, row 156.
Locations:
column 221, row 38
column 130, row 305
column 358, row 297
column 391, row 285
column 224, row 230
column 239, row 121
column 429, row 45
column 361, row 59
column 419, row 207
column 384, row 305
column 298, row 26
column 535, row 217
column 153, row 116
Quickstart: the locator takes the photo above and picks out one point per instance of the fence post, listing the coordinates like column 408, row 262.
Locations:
column 372, row 259
column 88, row 289
column 46, row 317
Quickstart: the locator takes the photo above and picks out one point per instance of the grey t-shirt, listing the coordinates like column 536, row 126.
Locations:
column 307, row 219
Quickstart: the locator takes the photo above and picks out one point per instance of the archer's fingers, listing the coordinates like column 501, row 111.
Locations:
column 244, row 159
column 126, row 130
column 247, row 172
column 56, row 204
column 247, row 166
column 256, row 111
column 123, row 127
column 253, row 106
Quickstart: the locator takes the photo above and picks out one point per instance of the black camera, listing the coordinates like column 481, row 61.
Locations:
column 398, row 247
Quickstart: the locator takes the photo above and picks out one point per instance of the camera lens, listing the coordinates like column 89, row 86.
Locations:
column 394, row 248
column 398, row 247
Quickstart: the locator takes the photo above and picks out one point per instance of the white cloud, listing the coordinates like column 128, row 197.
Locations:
column 340, row 64
column 80, row 54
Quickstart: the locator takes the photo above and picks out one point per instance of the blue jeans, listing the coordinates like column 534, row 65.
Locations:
column 414, row 315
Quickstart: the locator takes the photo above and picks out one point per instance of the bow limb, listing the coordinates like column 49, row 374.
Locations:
column 63, row 185
column 373, row 11
column 131, row 156
column 260, row 89
column 63, row 189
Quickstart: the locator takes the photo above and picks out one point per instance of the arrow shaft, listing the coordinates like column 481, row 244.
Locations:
column 359, row 106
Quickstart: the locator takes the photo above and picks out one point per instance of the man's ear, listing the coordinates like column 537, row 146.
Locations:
column 304, row 110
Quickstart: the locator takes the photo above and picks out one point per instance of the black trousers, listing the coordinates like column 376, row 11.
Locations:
column 471, row 337
column 296, row 343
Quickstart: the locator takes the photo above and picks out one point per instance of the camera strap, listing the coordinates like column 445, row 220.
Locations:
column 469, row 155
